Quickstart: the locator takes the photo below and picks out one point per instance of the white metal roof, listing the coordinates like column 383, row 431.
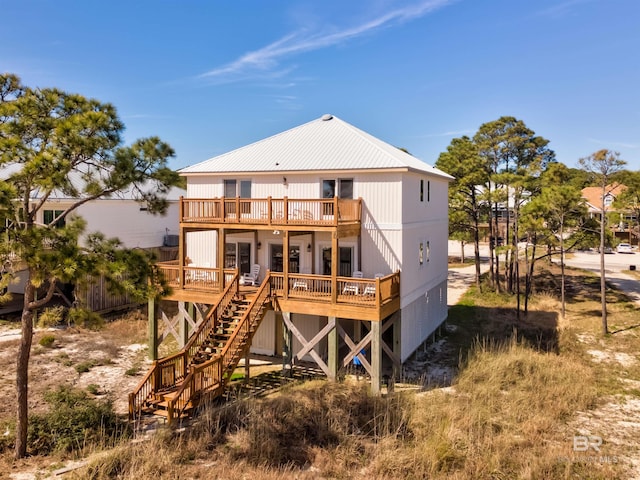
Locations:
column 78, row 182
column 327, row 143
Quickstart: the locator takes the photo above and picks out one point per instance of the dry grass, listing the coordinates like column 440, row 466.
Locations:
column 523, row 390
column 505, row 417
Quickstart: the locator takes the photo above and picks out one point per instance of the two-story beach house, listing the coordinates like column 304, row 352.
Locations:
column 336, row 240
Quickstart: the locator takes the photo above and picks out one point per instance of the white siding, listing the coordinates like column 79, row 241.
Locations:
column 421, row 317
column 124, row 220
column 201, row 248
column 264, row 340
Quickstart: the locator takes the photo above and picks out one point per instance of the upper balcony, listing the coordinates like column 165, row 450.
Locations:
column 287, row 213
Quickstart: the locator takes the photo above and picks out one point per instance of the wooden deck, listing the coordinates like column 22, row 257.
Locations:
column 266, row 213
column 358, row 298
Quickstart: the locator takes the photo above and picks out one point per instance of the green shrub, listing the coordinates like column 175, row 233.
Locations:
column 93, row 389
column 84, row 367
column 7, row 435
column 47, row 341
column 83, row 317
column 133, row 371
column 75, row 421
column 51, row 317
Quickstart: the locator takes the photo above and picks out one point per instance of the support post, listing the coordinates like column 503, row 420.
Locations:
column 183, row 326
column 287, row 346
column 153, row 328
column 397, row 344
column 247, row 364
column 376, row 357
column 333, row 354
column 220, row 255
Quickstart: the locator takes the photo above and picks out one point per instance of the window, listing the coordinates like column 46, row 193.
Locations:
column 345, row 190
column 428, row 191
column 421, row 190
column 345, row 261
column 238, row 255
column 51, row 215
column 233, row 190
column 608, row 200
column 424, row 251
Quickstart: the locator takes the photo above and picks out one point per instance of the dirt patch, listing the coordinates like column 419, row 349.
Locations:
column 105, row 362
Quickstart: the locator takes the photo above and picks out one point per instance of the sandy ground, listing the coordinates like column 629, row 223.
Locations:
column 617, row 421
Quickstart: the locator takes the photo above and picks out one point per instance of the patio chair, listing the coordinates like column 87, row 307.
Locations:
column 370, row 290
column 252, row 277
column 202, row 275
column 352, row 288
column 300, row 285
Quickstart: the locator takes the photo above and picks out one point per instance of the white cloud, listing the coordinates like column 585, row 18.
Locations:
column 613, row 144
column 266, row 59
column 453, row 133
column 562, row 9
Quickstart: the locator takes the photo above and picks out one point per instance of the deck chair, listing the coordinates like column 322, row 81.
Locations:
column 252, row 277
column 352, row 288
column 370, row 290
column 200, row 275
column 300, row 285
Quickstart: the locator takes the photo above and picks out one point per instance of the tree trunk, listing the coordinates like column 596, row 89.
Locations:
column 562, row 278
column 492, row 241
column 462, row 251
column 22, row 372
column 476, row 251
column 603, row 281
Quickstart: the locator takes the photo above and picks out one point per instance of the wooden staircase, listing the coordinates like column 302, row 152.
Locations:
column 177, row 384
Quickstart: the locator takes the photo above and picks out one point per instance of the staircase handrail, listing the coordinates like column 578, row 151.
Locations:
column 209, row 322
column 150, row 383
column 209, row 375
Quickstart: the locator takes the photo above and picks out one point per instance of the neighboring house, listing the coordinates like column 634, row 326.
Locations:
column 122, row 217
column 349, row 231
column 622, row 222
column 593, row 198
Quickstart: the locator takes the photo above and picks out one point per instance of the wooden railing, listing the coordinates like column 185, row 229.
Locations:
column 367, row 292
column 271, row 211
column 211, row 376
column 167, row 372
column 195, row 278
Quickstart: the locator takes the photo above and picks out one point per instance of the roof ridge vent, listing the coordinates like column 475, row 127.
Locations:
column 326, row 116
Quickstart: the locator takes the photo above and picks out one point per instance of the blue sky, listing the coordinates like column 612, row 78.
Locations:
column 208, row 77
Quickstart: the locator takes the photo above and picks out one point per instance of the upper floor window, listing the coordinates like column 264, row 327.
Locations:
column 240, row 189
column 344, row 188
column 608, row 200
column 233, row 188
column 422, row 190
column 51, row 215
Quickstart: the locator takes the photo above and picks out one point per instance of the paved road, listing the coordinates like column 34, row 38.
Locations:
column 613, row 262
column 460, row 279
